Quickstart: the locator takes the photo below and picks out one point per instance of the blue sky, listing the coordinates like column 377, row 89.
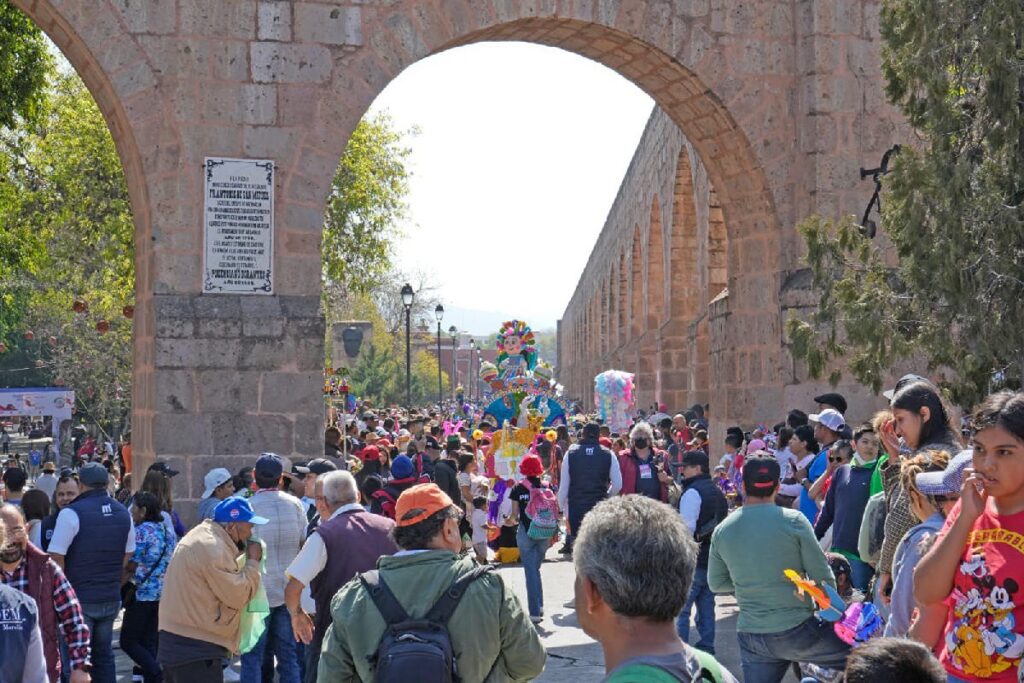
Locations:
column 520, row 153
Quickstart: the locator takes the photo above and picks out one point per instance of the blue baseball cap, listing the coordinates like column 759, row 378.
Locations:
column 235, row 509
column 947, row 482
column 269, row 465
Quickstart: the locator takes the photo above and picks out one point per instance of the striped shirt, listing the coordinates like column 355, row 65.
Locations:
column 283, row 537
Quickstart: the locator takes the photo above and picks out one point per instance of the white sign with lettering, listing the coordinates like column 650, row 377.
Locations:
column 238, row 217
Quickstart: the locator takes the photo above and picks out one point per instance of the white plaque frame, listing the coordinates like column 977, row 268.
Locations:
column 238, row 226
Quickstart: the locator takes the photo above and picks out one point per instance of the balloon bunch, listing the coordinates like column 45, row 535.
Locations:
column 613, row 396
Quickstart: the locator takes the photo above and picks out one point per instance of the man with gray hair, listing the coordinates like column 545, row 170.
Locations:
column 634, row 562
column 348, row 542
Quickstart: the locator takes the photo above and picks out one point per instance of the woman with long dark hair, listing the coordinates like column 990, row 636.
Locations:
column 154, row 545
column 921, row 421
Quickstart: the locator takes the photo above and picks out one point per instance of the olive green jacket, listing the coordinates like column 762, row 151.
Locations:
column 492, row 637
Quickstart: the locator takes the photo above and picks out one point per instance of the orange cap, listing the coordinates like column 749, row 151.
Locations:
column 426, row 497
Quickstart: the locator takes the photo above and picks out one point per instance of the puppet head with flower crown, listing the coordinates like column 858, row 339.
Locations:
column 515, row 340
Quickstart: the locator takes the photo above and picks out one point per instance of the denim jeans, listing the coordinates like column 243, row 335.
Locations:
column 279, row 627
column 860, row 574
column 531, row 554
column 704, row 599
column 99, row 617
column 139, row 637
column 766, row 657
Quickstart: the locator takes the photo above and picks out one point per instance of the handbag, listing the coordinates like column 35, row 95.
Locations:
column 129, row 588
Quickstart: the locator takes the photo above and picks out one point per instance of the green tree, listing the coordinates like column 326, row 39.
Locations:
column 375, row 376
column 25, row 66
column 945, row 283
column 65, row 201
column 366, row 205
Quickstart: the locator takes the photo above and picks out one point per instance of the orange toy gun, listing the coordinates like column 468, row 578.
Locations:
column 830, row 605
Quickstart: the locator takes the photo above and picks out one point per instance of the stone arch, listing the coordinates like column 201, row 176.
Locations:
column 622, row 303
column 93, row 37
column 636, row 286
column 655, row 294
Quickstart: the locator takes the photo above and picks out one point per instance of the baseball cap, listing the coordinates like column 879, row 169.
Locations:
column 950, row 480
column 432, row 443
column 424, row 500
column 214, row 478
column 830, row 418
column 402, row 467
column 235, row 509
column 904, row 381
column 369, row 415
column 299, row 470
column 16, row 477
column 49, row 466
column 93, row 474
column 268, row 465
column 163, row 468
column 605, row 441
column 531, row 466
column 696, row 458
column 761, row 472
column 369, row 453
column 832, row 399
column 591, row 430
column 321, row 466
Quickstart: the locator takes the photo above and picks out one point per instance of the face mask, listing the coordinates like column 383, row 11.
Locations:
column 641, row 443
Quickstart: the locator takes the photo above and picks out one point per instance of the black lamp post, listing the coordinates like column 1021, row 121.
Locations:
column 439, row 314
column 472, row 379
column 407, row 298
column 453, row 332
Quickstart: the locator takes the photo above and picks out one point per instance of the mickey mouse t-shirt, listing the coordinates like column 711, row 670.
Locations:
column 984, row 635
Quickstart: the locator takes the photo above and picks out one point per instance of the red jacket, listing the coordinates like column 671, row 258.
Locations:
column 40, row 571
column 630, row 466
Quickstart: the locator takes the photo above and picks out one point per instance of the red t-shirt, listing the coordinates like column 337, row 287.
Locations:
column 984, row 635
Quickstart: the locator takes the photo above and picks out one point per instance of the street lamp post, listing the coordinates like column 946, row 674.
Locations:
column 439, row 314
column 453, row 332
column 472, row 380
column 407, row 298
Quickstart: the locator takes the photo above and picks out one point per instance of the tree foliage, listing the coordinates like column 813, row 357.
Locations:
column 25, row 66
column 366, row 205
column 945, row 285
column 68, row 237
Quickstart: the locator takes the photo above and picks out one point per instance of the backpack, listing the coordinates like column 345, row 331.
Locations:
column 542, row 511
column 416, row 649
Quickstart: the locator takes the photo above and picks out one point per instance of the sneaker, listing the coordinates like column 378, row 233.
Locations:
column 231, row 676
column 536, row 620
column 566, row 549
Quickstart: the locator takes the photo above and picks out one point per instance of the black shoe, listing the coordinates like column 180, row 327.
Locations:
column 565, row 550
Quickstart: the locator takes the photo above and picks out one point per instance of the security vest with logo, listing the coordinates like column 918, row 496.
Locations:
column 94, row 561
column 18, row 618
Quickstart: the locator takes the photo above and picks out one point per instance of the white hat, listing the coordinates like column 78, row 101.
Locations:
column 213, row 479
column 829, row 417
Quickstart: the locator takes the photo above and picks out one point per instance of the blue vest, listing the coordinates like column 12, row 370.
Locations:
column 589, row 473
column 96, row 556
column 18, row 618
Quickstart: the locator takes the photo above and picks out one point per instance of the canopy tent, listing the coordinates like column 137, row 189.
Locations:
column 57, row 403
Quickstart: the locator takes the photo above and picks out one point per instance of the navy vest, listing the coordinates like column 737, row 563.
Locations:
column 94, row 560
column 18, row 618
column 713, row 509
column 589, row 473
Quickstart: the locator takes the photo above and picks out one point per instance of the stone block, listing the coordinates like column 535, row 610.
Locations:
column 271, row 142
column 218, row 306
column 262, row 327
column 289, row 63
column 175, row 328
column 260, row 306
column 197, row 353
column 328, row 24
column 259, row 104
column 261, row 353
column 308, row 442
column 225, row 391
column 275, row 21
column 185, row 433
column 173, row 306
column 229, row 60
column 175, row 391
column 236, row 434
column 291, row 392
column 133, row 79
column 218, row 328
column 223, row 19
column 148, row 16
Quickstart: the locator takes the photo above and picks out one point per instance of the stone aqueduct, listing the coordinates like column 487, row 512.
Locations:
column 779, row 100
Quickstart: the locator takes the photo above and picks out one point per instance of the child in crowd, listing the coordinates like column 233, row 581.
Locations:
column 893, row 659
column 974, row 570
column 479, row 522
column 933, row 484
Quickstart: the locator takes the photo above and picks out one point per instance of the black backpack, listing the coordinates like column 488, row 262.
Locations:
column 416, row 649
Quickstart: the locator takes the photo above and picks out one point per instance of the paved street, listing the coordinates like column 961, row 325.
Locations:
column 572, row 655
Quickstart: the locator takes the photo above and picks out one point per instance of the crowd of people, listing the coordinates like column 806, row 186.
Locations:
column 374, row 561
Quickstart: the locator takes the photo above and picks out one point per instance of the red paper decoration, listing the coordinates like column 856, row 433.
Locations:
column 128, row 311
column 30, row 335
column 79, row 306
column 103, row 327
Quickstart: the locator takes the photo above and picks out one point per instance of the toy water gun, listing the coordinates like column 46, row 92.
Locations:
column 830, row 605
column 860, row 623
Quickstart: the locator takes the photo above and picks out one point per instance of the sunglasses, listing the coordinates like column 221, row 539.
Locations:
column 837, row 459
